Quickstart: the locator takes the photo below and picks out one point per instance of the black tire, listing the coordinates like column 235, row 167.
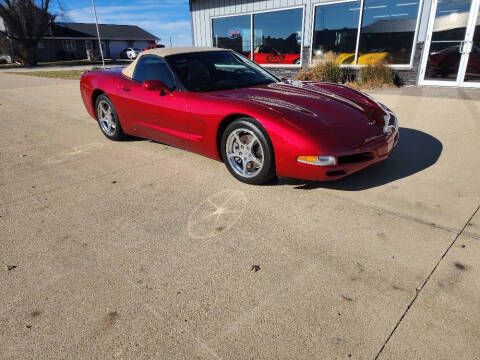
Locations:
column 118, row 133
column 267, row 170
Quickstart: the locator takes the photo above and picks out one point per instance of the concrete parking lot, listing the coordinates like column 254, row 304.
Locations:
column 140, row 250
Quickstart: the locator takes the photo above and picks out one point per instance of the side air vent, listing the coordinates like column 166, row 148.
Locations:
column 355, row 158
column 336, row 173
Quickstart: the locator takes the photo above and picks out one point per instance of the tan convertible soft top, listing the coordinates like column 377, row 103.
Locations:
column 162, row 52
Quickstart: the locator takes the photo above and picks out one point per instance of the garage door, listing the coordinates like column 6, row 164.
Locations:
column 116, row 47
column 141, row 44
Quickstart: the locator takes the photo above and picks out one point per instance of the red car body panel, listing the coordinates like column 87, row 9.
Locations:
column 153, row 46
column 301, row 119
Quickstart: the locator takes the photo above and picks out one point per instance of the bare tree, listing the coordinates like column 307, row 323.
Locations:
column 26, row 21
column 62, row 14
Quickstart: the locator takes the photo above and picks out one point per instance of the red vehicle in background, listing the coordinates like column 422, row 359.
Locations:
column 154, row 46
column 269, row 55
column 445, row 63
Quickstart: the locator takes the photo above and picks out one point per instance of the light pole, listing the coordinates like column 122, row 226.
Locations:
column 98, row 33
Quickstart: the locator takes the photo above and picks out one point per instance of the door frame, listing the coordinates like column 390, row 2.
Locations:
column 470, row 31
column 471, row 27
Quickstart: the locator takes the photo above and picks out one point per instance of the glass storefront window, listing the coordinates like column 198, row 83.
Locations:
column 386, row 36
column 473, row 65
column 335, row 31
column 388, row 31
column 277, row 37
column 451, row 20
column 449, row 29
column 232, row 33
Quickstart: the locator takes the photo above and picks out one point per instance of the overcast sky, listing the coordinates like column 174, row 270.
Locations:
column 163, row 18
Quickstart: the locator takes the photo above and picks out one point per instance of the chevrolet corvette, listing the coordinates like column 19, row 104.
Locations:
column 269, row 55
column 219, row 104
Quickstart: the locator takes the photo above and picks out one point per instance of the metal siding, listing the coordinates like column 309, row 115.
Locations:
column 194, row 21
column 209, row 8
column 222, row 7
column 226, row 6
column 206, row 20
column 203, row 26
column 198, row 25
column 199, row 13
column 230, row 8
column 206, row 24
column 209, row 39
column 196, row 18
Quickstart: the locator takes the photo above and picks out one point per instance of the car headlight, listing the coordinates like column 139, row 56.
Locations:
column 317, row 160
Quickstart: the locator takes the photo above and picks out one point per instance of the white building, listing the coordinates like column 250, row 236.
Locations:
column 434, row 42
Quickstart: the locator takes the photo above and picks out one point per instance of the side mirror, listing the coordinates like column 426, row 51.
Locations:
column 156, row 85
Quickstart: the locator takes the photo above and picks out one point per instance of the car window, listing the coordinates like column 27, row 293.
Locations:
column 152, row 67
column 217, row 70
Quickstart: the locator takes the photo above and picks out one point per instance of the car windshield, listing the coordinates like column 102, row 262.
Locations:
column 217, row 70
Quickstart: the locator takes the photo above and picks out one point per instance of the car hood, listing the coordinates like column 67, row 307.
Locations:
column 312, row 106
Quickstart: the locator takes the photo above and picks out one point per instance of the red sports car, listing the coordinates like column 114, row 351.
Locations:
column 220, row 104
column 446, row 62
column 268, row 55
column 154, row 46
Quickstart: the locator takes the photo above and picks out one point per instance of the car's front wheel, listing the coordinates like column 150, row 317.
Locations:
column 247, row 152
column 108, row 119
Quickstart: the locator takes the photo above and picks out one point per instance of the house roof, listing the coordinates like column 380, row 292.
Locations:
column 107, row 31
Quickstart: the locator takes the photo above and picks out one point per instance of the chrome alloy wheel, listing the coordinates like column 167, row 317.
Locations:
column 244, row 152
column 105, row 116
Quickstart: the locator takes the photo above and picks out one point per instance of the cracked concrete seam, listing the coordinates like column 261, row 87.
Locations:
column 421, row 287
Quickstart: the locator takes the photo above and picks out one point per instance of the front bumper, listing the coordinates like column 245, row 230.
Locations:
column 352, row 162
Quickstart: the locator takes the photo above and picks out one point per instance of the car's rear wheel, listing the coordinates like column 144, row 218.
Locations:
column 247, row 152
column 108, row 119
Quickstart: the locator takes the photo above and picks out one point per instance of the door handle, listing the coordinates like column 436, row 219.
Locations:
column 469, row 46
column 124, row 88
column 466, row 47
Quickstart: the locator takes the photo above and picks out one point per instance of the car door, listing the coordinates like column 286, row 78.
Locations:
column 150, row 113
